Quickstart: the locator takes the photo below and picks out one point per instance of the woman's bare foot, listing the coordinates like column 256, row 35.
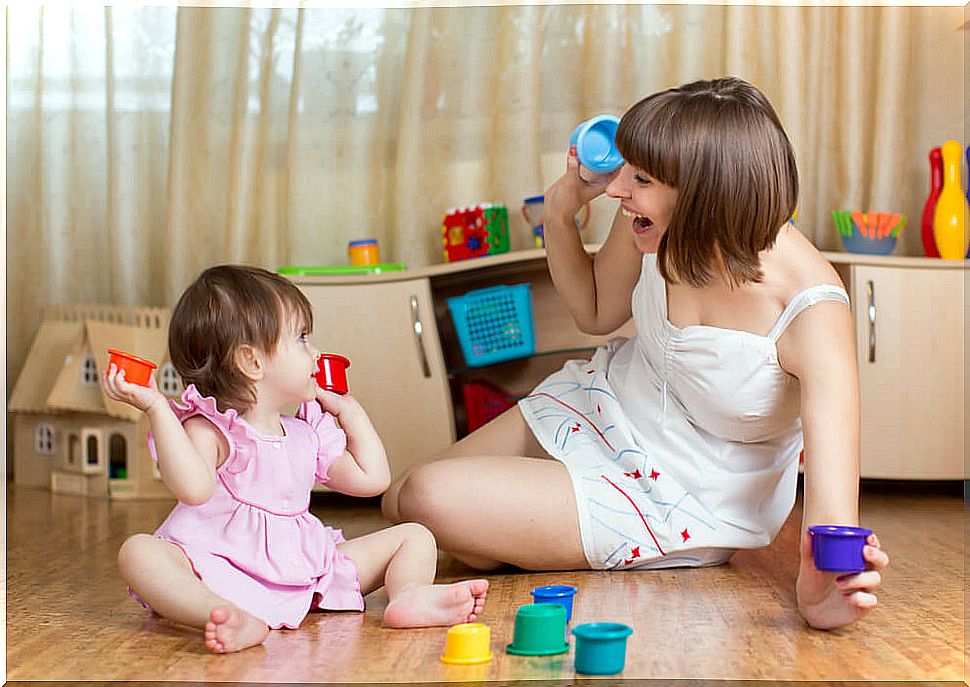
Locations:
column 437, row 604
column 231, row 629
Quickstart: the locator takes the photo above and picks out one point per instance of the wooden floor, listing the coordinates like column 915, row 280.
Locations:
column 69, row 618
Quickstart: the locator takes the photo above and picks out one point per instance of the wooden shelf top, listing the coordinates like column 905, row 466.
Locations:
column 539, row 255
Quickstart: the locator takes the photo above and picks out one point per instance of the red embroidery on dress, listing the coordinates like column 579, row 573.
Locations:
column 685, row 534
column 566, row 405
column 643, row 519
column 654, row 474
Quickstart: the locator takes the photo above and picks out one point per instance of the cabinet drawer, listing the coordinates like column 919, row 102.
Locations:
column 911, row 344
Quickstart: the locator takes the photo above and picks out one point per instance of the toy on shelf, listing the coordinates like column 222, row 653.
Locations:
column 950, row 216
column 331, row 372
column 137, row 370
column 467, row 643
column 364, row 252
column 873, row 233
column 483, row 403
column 475, row 231
column 340, row 270
column 533, row 211
column 929, row 208
column 494, row 324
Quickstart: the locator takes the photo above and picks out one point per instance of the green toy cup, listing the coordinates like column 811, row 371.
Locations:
column 539, row 631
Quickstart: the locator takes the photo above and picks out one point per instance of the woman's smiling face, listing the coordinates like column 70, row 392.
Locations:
column 648, row 202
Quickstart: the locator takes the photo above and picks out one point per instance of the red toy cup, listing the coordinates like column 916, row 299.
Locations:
column 332, row 372
column 137, row 370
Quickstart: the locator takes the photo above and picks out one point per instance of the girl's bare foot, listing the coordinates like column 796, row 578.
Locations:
column 232, row 629
column 438, row 604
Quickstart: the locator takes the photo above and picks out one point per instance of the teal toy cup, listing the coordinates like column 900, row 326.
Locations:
column 556, row 594
column 601, row 648
column 540, row 630
column 595, row 141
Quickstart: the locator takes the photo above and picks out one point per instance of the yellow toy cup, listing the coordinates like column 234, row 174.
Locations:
column 468, row 643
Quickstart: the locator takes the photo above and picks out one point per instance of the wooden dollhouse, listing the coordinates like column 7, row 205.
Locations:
column 68, row 435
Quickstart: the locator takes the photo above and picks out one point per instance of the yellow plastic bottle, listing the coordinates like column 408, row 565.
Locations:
column 950, row 217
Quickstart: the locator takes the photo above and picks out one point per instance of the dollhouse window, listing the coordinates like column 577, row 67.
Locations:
column 92, row 460
column 117, row 457
column 44, row 438
column 169, row 381
column 89, row 371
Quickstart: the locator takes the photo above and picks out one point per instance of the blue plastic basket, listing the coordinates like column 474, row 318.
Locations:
column 494, row 324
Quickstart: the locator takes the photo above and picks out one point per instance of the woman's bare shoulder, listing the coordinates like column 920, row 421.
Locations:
column 794, row 264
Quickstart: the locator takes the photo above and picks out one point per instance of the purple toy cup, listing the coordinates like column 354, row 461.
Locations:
column 838, row 548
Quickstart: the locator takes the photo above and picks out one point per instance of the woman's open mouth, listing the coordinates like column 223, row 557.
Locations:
column 641, row 224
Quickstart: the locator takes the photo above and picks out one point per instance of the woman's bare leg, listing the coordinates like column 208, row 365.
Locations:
column 160, row 574
column 506, row 435
column 492, row 499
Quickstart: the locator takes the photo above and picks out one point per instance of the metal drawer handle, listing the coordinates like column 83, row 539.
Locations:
column 871, row 295
column 419, row 335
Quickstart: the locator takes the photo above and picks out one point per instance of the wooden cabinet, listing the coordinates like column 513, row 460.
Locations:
column 911, row 342
column 397, row 371
column 407, row 369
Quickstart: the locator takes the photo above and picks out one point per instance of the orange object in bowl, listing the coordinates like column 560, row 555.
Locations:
column 137, row 370
column 332, row 372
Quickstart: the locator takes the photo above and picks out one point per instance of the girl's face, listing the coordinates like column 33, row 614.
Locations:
column 647, row 202
column 290, row 368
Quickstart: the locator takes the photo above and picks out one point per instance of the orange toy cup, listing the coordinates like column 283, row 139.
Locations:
column 332, row 372
column 137, row 370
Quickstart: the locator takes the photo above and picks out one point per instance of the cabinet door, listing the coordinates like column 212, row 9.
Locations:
column 397, row 369
column 911, row 346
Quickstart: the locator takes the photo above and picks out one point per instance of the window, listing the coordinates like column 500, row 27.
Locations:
column 169, row 381
column 89, row 371
column 73, row 449
column 92, row 461
column 117, row 457
column 44, row 438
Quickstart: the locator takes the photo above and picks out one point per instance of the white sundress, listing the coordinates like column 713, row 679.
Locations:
column 682, row 443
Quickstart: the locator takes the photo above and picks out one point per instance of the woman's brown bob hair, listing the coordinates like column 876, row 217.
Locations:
column 229, row 306
column 721, row 145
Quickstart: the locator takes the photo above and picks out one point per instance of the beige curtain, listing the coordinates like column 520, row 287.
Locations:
column 145, row 143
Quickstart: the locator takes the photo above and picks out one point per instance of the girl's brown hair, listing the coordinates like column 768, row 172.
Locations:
column 721, row 145
column 229, row 306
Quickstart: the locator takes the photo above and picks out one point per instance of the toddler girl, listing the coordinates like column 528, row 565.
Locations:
column 241, row 554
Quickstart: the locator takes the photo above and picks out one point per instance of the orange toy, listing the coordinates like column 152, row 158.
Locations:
column 137, row 370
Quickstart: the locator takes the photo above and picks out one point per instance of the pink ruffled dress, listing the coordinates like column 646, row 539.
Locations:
column 255, row 541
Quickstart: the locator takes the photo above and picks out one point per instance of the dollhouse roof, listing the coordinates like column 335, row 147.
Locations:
column 50, row 380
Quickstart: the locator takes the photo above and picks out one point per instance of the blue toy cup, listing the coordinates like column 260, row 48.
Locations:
column 838, row 548
column 595, row 141
column 561, row 594
column 601, row 648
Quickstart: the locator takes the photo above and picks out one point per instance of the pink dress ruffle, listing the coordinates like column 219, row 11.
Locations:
column 255, row 542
